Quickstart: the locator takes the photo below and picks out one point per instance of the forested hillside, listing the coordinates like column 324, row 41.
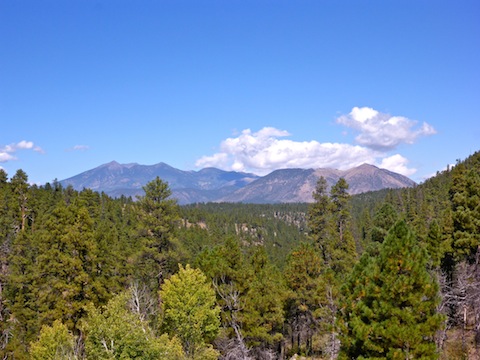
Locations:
column 393, row 274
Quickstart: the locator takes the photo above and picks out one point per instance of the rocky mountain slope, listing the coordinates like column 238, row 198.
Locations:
column 210, row 184
column 297, row 185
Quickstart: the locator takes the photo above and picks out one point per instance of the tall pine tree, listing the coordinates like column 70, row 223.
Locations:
column 158, row 218
column 389, row 311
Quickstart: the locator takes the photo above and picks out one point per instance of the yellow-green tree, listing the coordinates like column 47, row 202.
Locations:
column 190, row 312
column 54, row 343
column 116, row 332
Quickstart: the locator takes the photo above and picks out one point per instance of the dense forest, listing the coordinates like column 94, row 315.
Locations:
column 393, row 274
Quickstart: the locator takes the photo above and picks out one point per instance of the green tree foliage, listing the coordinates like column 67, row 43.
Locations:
column 20, row 189
column 330, row 228
column 61, row 250
column 158, row 219
column 319, row 218
column 307, row 296
column 465, row 197
column 189, row 311
column 64, row 278
column 277, row 227
column 329, row 222
column 384, row 219
column 436, row 246
column 263, row 313
column 390, row 302
column 342, row 249
column 54, row 343
column 115, row 332
column 21, row 296
column 226, row 265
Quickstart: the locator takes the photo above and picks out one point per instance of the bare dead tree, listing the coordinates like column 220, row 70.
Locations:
column 461, row 300
column 333, row 345
column 447, row 302
column 142, row 302
column 236, row 348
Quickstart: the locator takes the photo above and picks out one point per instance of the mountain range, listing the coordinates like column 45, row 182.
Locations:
column 215, row 185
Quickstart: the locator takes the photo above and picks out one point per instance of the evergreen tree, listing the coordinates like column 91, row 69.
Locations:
column 6, row 238
column 158, row 218
column 307, row 295
column 383, row 220
column 342, row 246
column 329, row 222
column 465, row 197
column 436, row 246
column 330, row 226
column 64, row 281
column 21, row 296
column 389, row 311
column 263, row 313
column 319, row 219
column 20, row 189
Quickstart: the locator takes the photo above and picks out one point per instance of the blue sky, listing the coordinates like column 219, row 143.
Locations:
column 244, row 85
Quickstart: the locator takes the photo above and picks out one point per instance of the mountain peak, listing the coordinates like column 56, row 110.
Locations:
column 367, row 166
column 212, row 184
column 111, row 163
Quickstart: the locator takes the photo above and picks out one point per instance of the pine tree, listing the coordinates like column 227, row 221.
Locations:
column 342, row 248
column 20, row 189
column 383, row 220
column 465, row 198
column 158, row 218
column 263, row 312
column 21, row 294
column 7, row 235
column 307, row 295
column 389, row 311
column 319, row 218
column 64, row 277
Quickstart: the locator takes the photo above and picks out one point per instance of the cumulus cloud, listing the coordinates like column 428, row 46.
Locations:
column 7, row 152
column 5, row 156
column 397, row 163
column 381, row 131
column 270, row 149
column 264, row 151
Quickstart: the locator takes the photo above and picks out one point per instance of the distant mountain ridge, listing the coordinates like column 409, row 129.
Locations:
column 215, row 185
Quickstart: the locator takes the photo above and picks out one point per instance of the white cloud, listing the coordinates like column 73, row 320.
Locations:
column 24, row 145
column 381, row 131
column 219, row 160
column 5, row 156
column 363, row 114
column 267, row 150
column 7, row 151
column 397, row 163
column 263, row 151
